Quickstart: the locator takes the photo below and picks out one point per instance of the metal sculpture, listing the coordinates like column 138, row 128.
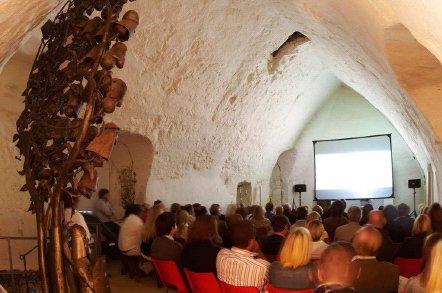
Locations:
column 61, row 134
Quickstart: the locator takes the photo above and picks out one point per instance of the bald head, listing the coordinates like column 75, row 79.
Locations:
column 367, row 241
column 335, row 264
column 377, row 219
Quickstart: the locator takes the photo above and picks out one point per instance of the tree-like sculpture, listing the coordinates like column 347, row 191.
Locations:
column 61, row 133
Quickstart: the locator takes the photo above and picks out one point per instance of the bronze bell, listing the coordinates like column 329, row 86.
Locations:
column 117, row 91
column 127, row 25
column 88, row 183
column 103, row 143
column 115, row 56
column 92, row 26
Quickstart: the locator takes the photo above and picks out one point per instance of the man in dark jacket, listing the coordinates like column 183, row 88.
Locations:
column 270, row 245
column 386, row 251
column 164, row 247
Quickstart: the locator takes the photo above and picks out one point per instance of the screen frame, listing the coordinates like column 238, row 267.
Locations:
column 349, row 138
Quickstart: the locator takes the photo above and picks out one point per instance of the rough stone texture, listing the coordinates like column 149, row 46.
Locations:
column 345, row 114
column 201, row 91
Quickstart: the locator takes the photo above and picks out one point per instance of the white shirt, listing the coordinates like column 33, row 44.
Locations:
column 318, row 248
column 130, row 237
column 102, row 209
column 239, row 267
column 76, row 218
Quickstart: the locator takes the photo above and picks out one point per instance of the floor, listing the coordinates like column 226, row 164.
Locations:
column 121, row 283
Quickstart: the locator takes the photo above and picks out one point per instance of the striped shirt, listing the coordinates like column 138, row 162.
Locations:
column 239, row 267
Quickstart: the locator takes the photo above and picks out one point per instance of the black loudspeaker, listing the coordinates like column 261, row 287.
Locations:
column 414, row 183
column 299, row 188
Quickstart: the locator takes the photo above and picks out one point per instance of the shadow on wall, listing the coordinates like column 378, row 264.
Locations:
column 133, row 152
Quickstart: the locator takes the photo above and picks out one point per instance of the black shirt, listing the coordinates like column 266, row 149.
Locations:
column 412, row 247
column 200, row 257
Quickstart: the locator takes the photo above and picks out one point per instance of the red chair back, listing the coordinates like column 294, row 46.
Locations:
column 408, row 267
column 202, row 282
column 170, row 275
column 271, row 289
column 227, row 288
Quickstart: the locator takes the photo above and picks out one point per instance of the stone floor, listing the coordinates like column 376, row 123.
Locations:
column 121, row 283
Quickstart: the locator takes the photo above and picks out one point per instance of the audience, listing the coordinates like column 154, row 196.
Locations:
column 435, row 214
column 270, row 245
column 391, row 214
column 366, row 209
column 418, row 284
column 182, row 222
column 164, row 247
column 241, row 265
column 131, row 231
column 200, row 252
column 412, row 246
column 269, row 211
column 434, row 280
column 104, row 212
column 316, row 230
column 230, row 210
column 318, row 209
column 175, row 208
column 200, row 210
column 347, row 231
column 404, row 223
column 301, row 214
column 375, row 276
column 335, row 273
column 386, row 251
column 149, row 227
column 293, row 269
column 279, row 211
column 335, row 219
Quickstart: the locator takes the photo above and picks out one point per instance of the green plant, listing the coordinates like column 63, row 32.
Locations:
column 127, row 178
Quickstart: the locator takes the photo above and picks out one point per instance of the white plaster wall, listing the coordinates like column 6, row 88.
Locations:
column 347, row 114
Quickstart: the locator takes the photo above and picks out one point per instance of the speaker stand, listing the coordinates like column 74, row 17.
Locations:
column 414, row 203
column 300, row 204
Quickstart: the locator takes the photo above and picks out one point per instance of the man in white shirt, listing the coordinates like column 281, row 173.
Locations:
column 131, row 231
column 347, row 232
column 71, row 214
column 241, row 265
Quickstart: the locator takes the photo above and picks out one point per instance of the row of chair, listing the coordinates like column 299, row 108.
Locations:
column 170, row 277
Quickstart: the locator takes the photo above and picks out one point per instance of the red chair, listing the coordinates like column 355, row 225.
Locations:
column 202, row 282
column 271, row 289
column 170, row 275
column 227, row 288
column 408, row 267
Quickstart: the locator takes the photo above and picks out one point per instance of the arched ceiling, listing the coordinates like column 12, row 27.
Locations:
column 203, row 88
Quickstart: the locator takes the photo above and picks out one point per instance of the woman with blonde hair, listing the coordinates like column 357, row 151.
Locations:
column 292, row 271
column 261, row 223
column 412, row 246
column 149, row 227
column 316, row 230
column 182, row 222
column 431, row 265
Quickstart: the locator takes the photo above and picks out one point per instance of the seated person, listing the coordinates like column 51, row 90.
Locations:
column 316, row 230
column 412, row 246
column 269, row 211
column 200, row 252
column 434, row 281
column 293, row 269
column 261, row 223
column 375, row 276
column 301, row 215
column 71, row 214
column 270, row 245
column 131, row 231
column 104, row 212
column 418, row 284
column 403, row 223
column 387, row 251
column 335, row 219
column 241, row 265
column 335, row 273
column 347, row 231
column 164, row 247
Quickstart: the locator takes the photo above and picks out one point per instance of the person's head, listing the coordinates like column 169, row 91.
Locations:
column 234, row 219
column 157, row 202
column 367, row 241
column 297, row 248
column 165, row 224
column 380, row 208
column 200, row 210
column 154, row 212
column 366, row 209
column 175, row 208
column 313, row 216
column 390, row 212
column 335, row 264
column 203, row 230
column 189, row 208
column 269, row 207
column 286, row 207
column 196, row 206
column 429, row 243
column 258, row 213
column 316, row 229
column 354, row 214
column 434, row 282
column 242, row 235
column 279, row 210
column 421, row 208
column 231, row 209
column 136, row 209
column 344, row 203
column 337, row 209
column 435, row 214
column 103, row 194
column 318, row 209
column 377, row 219
column 215, row 210
column 280, row 224
column 403, row 210
column 242, row 211
column 182, row 218
column 301, row 213
column 422, row 225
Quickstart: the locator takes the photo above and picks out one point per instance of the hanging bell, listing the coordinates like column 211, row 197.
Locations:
column 117, row 91
column 88, row 183
column 103, row 143
column 127, row 25
column 92, row 26
column 115, row 56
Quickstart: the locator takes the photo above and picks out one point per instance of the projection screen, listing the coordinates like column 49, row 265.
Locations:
column 353, row 168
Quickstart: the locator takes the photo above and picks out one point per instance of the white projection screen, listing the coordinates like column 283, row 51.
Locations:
column 353, row 168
